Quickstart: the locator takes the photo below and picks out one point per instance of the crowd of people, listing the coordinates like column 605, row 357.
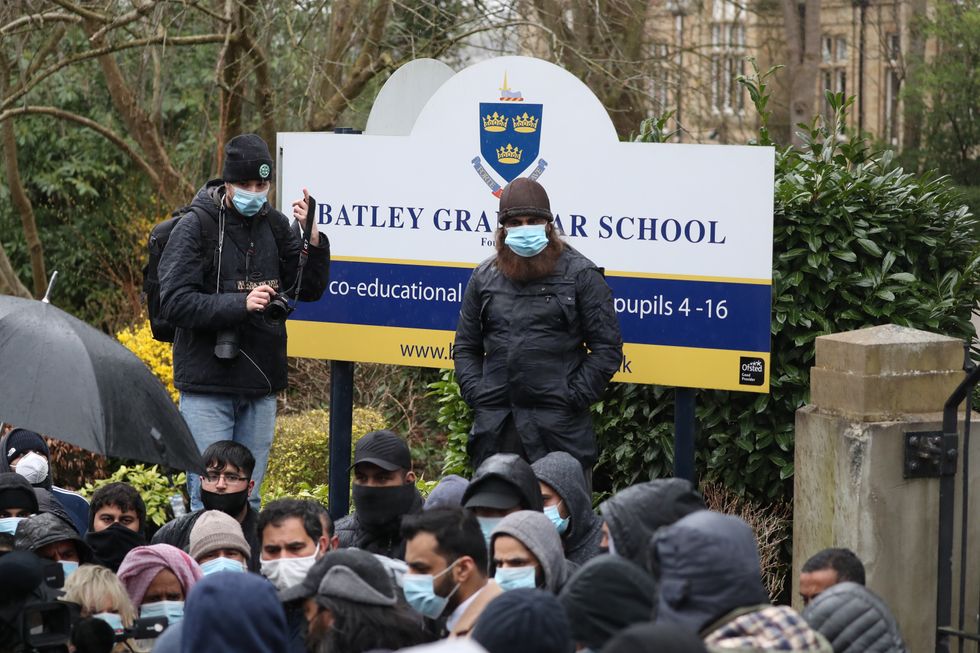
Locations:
column 513, row 559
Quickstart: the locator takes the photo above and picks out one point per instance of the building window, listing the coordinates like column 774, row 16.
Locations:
column 727, row 57
column 893, row 87
column 833, row 71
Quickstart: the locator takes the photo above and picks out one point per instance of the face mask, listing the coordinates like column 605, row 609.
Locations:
column 420, row 593
column 230, row 503
column 221, row 564
column 113, row 620
column 287, row 572
column 528, row 240
column 9, row 524
column 111, row 545
column 513, row 578
column 382, row 508
column 551, row 512
column 69, row 567
column 172, row 610
column 248, row 203
column 34, row 467
column 487, row 524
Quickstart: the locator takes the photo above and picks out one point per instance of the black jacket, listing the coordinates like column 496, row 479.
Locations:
column 563, row 473
column 855, row 620
column 47, row 528
column 188, row 279
column 177, row 532
column 541, row 352
column 511, row 468
column 351, row 533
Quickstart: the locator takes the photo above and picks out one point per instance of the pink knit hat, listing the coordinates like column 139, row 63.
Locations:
column 142, row 564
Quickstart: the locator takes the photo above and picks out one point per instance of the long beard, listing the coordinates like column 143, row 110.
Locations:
column 522, row 269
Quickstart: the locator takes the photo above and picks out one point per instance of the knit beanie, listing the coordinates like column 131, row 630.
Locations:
column 524, row 620
column 20, row 441
column 215, row 530
column 247, row 158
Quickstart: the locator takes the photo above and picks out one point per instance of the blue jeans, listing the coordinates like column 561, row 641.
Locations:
column 249, row 421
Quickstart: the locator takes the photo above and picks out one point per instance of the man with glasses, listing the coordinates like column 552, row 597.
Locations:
column 538, row 338
column 225, row 486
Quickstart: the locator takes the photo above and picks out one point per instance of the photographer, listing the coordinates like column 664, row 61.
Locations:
column 229, row 258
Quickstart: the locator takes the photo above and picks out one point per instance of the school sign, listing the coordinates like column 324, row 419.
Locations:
column 684, row 232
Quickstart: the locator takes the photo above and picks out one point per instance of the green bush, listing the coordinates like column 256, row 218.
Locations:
column 298, row 457
column 857, row 242
column 155, row 487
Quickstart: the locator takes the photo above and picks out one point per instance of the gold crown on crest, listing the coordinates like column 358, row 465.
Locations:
column 494, row 122
column 525, row 124
column 509, row 154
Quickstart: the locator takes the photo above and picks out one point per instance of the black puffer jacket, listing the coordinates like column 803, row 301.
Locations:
column 633, row 514
column 541, row 352
column 188, row 299
column 855, row 620
column 563, row 473
column 512, row 469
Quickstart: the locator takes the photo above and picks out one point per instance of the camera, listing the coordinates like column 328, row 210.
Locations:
column 278, row 309
column 226, row 344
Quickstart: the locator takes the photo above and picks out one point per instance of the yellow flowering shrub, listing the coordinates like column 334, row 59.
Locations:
column 157, row 355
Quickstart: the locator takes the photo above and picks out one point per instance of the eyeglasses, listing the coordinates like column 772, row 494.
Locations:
column 212, row 477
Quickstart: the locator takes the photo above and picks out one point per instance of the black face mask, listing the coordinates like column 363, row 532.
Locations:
column 381, row 508
column 230, row 503
column 112, row 544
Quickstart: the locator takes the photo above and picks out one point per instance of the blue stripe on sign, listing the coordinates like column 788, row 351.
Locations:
column 680, row 313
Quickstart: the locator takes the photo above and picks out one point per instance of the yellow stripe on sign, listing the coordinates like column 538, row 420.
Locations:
column 402, row 261
column 690, row 367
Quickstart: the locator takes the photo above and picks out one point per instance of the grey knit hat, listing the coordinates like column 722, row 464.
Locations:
column 215, row 530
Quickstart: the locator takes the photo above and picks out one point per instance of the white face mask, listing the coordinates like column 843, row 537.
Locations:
column 33, row 466
column 287, row 572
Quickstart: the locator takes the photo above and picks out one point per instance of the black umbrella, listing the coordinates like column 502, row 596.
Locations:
column 63, row 378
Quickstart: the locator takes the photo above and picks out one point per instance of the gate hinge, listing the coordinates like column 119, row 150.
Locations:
column 930, row 454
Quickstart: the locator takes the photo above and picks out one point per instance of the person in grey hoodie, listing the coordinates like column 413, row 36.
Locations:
column 568, row 504
column 525, row 551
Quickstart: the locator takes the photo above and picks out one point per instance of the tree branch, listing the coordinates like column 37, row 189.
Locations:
column 39, row 20
column 10, row 283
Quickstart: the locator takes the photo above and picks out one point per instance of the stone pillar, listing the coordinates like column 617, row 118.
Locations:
column 868, row 388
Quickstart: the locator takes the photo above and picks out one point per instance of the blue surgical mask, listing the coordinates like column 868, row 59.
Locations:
column 113, row 620
column 247, row 202
column 527, row 240
column 513, row 578
column 172, row 610
column 9, row 524
column 69, row 567
column 420, row 593
column 551, row 512
column 487, row 524
column 221, row 564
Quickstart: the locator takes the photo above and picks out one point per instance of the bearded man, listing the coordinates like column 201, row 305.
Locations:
column 538, row 338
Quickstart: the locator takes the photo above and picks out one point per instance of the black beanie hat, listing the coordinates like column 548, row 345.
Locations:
column 20, row 441
column 524, row 620
column 247, row 158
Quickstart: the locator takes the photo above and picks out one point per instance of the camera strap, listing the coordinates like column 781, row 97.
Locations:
column 304, row 253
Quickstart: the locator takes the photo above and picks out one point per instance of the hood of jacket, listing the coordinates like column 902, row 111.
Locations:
column 48, row 502
column 854, row 619
column 47, row 528
column 538, row 534
column 5, row 458
column 706, row 565
column 633, row 514
column 564, row 474
column 226, row 609
column 12, row 481
column 514, row 470
column 605, row 596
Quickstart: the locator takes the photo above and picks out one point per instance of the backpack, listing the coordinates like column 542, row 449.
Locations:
column 163, row 330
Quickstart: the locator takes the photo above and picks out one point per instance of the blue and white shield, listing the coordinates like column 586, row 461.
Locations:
column 510, row 136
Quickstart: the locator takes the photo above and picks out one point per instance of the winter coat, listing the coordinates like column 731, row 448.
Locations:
column 188, row 278
column 633, row 514
column 351, row 532
column 512, row 469
column 14, row 481
column 540, row 352
column 563, row 473
column 177, row 532
column 234, row 612
column 536, row 532
column 854, row 619
column 763, row 628
column 47, row 528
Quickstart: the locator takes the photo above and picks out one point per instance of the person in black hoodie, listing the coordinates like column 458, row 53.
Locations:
column 225, row 260
column 233, row 612
column 384, row 492
column 568, row 505
column 503, row 484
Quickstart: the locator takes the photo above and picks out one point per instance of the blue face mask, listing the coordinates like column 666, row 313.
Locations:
column 551, row 512
column 68, row 567
column 172, row 610
column 513, row 578
column 527, row 240
column 221, row 564
column 420, row 593
column 113, row 620
column 487, row 524
column 9, row 524
column 248, row 203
